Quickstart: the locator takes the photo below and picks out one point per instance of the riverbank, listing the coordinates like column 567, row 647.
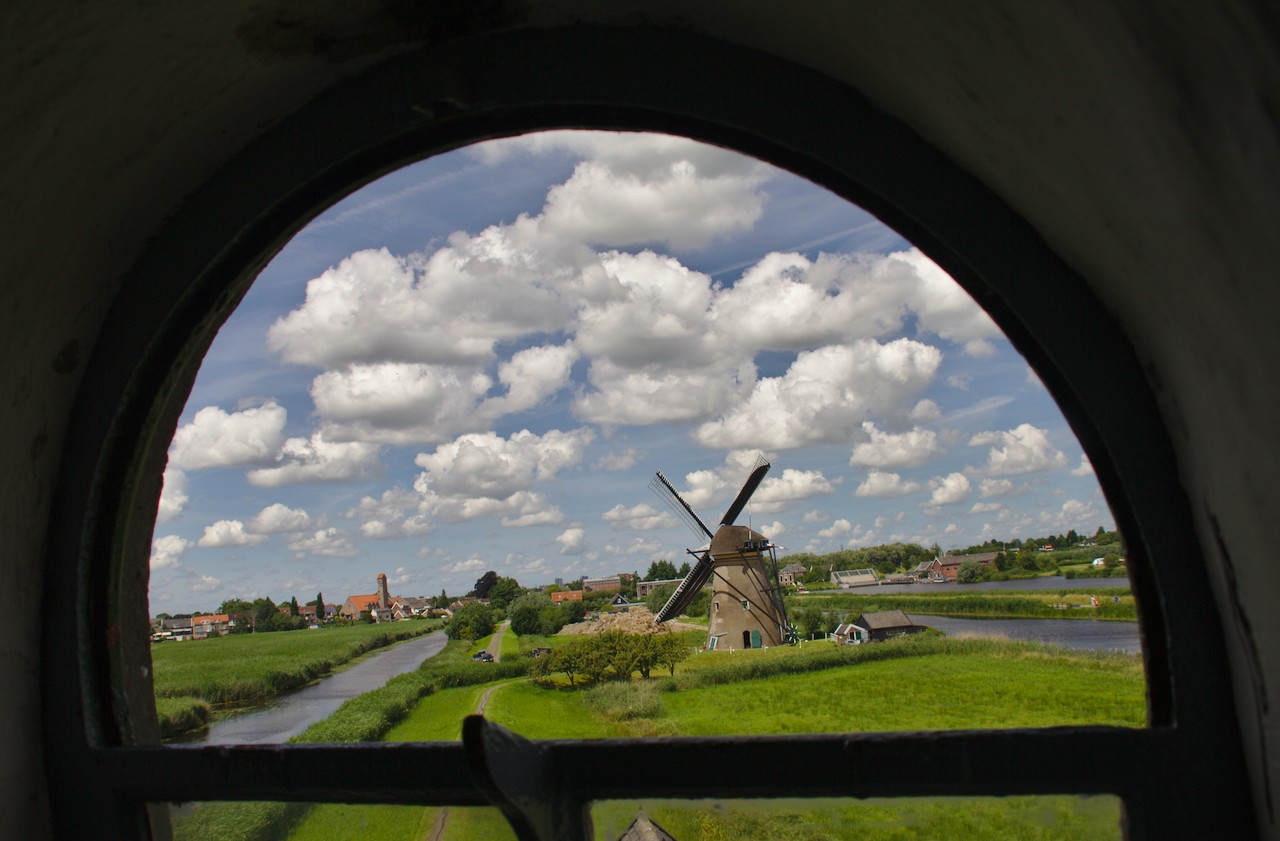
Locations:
column 1113, row 604
column 232, row 673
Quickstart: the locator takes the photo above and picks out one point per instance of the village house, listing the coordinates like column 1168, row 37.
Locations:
column 211, row 625
column 407, row 607
column 566, row 596
column 790, row 574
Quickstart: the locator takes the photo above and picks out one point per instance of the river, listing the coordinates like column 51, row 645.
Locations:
column 1070, row 633
column 1047, row 582
column 290, row 714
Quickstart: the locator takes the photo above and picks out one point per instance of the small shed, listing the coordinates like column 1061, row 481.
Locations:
column 876, row 627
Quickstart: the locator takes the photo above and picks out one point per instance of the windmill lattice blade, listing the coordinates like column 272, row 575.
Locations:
column 688, row 589
column 660, row 486
column 753, row 482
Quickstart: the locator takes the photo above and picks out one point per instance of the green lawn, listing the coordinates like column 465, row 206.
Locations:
column 253, row 667
column 438, row 717
column 510, row 645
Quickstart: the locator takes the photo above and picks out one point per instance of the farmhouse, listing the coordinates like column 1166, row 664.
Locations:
column 854, row 578
column 788, row 575
column 214, row 625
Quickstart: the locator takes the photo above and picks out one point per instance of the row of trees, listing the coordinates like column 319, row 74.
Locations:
column 613, row 654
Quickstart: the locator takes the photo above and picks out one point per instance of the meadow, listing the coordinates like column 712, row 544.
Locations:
column 907, row 684
column 192, row 678
column 1065, row 603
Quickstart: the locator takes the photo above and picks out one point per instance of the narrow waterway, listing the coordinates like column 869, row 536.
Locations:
column 1045, row 582
column 290, row 714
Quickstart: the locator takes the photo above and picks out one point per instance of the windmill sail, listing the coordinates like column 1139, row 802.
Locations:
column 688, row 589
column 660, row 486
column 744, row 495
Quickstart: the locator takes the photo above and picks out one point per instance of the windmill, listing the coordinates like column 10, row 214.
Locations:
column 746, row 609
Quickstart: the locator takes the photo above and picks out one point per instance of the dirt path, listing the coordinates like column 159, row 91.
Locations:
column 496, row 642
column 441, row 823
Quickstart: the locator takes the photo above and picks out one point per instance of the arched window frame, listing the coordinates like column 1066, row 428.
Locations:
column 98, row 719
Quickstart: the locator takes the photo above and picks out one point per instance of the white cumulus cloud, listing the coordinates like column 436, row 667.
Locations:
column 167, row 551
column 642, row 517
column 1024, row 449
column 225, row 533
column 886, row 449
column 315, row 459
column 279, row 518
column 173, row 495
column 880, row 483
column 951, row 489
column 215, row 438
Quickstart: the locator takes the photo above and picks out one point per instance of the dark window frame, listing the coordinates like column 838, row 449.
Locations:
column 98, row 715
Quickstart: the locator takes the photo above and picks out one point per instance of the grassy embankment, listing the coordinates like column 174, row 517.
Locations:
column 812, row 689
column 1065, row 603
column 192, row 678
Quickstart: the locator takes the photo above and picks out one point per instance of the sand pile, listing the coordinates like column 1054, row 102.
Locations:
column 637, row 620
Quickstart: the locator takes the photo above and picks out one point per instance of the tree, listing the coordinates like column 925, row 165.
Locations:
column 525, row 613
column 658, row 596
column 503, row 592
column 293, row 606
column 671, row 651
column 683, row 571
column 645, row 652
column 573, row 611
column 660, row 571
column 484, row 584
column 320, row 612
column 471, row 621
column 970, row 572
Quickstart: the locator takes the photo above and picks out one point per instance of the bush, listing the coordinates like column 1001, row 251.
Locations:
column 471, row 622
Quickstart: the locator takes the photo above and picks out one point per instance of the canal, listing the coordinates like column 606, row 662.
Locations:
column 290, row 714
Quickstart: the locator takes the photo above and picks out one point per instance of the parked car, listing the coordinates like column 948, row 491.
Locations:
column 482, row 657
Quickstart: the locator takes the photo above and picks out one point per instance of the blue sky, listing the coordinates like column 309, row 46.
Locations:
column 479, row 361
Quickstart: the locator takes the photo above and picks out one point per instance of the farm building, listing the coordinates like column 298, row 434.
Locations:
column 946, row 567
column 875, row 627
column 854, row 578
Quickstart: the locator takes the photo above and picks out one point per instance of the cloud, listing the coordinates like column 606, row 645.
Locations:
column 572, row 541
column 885, row 449
column 825, row 395
column 775, row 493
column 773, row 530
column 469, row 565
column 548, row 516
column 814, row 516
column 1024, row 449
column 226, row 533
column 995, row 487
column 951, row 489
column 642, row 517
column 1085, row 468
column 315, row 459
column 885, row 484
column 985, row 507
column 840, row 528
column 330, row 542
column 278, row 518
column 531, row 376
column 402, row 576
column 398, row 513
column 167, row 551
column 173, row 495
column 486, row 465
column 215, row 438
column 615, row 461
column 639, row 546
column 206, row 584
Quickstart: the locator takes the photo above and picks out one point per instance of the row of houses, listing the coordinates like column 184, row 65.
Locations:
column 944, row 568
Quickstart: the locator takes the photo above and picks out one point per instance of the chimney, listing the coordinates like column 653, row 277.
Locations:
column 384, row 600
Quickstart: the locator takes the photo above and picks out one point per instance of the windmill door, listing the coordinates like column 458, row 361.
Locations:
column 755, row 639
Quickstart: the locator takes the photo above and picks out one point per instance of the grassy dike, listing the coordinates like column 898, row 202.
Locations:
column 918, row 683
column 1065, row 603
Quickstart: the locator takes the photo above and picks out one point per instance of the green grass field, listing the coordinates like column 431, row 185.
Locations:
column 246, row 668
column 922, row 683
column 955, row 600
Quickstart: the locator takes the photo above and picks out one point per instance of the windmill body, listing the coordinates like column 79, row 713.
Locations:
column 746, row 609
column 746, row 606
